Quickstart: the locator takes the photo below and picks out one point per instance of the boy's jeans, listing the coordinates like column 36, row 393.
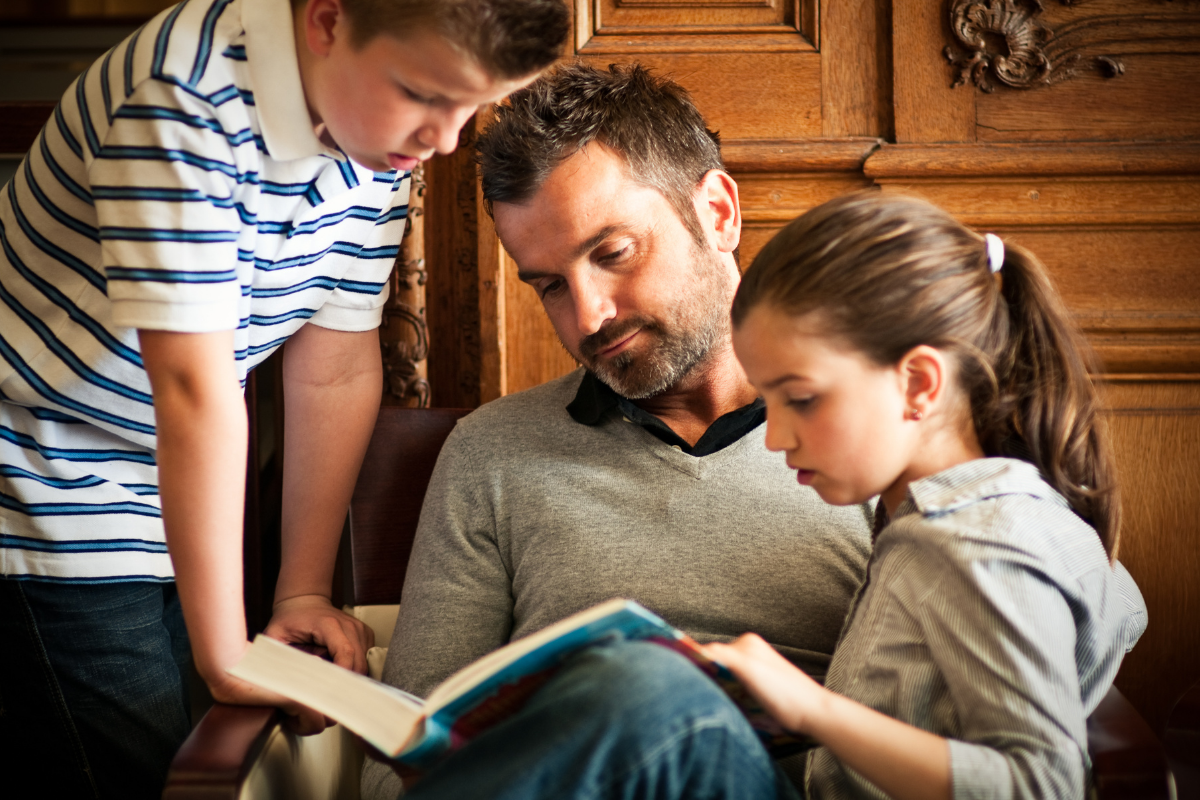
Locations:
column 627, row 720
column 93, row 700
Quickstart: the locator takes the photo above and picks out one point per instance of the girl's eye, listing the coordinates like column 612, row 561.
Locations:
column 802, row 403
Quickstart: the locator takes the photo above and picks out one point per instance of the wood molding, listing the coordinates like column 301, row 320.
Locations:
column 798, row 155
column 992, row 160
column 1008, row 42
column 404, row 332
column 452, row 294
column 614, row 27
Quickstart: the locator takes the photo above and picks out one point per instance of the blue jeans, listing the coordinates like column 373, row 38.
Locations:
column 93, row 698
column 627, row 720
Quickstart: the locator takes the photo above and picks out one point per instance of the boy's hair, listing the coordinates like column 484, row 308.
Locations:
column 507, row 38
column 649, row 121
column 890, row 273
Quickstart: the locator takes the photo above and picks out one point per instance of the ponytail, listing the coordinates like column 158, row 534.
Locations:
column 1052, row 406
column 889, row 273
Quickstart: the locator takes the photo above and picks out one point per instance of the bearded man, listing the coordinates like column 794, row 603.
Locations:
column 644, row 473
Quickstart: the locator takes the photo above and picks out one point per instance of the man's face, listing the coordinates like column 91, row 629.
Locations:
column 632, row 296
column 392, row 102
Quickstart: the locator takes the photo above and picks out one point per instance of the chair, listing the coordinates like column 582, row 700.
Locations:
column 243, row 752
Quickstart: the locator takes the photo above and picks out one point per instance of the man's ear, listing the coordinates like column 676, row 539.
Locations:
column 719, row 211
column 925, row 373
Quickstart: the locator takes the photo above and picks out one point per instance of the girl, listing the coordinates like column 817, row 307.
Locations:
column 902, row 355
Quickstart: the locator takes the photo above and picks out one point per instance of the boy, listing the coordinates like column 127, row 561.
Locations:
column 233, row 175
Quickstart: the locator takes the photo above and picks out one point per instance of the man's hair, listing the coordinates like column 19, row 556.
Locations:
column 507, row 38
column 649, row 121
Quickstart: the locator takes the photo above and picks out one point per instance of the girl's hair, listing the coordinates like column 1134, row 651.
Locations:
column 889, row 273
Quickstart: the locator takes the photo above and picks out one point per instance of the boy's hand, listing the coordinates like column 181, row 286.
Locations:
column 302, row 719
column 787, row 694
column 311, row 618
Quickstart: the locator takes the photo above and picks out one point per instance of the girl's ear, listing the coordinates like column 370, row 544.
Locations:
column 925, row 373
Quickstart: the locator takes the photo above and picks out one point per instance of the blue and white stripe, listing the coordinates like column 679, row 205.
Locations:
column 152, row 199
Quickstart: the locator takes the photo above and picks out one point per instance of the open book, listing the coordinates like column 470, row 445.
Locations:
column 419, row 732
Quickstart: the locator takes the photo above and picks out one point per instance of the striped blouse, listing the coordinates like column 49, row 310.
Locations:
column 990, row 616
column 178, row 186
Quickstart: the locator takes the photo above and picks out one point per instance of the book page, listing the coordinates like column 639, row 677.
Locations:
column 472, row 674
column 381, row 714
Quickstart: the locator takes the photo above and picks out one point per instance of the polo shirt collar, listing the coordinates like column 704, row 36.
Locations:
column 594, row 399
column 283, row 116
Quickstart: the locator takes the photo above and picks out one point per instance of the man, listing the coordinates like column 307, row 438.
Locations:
column 644, row 474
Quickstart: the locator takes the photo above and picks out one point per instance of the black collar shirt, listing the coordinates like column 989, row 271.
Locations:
column 595, row 399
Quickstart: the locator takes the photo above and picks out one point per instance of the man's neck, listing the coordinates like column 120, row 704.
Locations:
column 714, row 388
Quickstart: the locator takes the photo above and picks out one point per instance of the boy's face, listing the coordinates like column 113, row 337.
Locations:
column 394, row 101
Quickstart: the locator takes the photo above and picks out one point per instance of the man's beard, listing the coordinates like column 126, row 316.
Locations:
column 680, row 342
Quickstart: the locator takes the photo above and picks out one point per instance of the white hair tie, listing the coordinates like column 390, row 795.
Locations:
column 995, row 250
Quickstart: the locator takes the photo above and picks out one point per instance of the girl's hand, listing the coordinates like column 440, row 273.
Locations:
column 905, row 762
column 787, row 694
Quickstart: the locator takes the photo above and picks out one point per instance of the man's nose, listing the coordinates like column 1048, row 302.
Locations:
column 442, row 127
column 593, row 306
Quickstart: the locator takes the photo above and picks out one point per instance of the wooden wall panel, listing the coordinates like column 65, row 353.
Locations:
column 1155, row 99
column 744, row 95
column 927, row 109
column 1156, row 433
column 856, row 69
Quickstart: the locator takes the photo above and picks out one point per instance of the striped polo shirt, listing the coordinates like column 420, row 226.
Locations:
column 178, row 186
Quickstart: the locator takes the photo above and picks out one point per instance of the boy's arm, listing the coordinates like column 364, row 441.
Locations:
column 333, row 381
column 201, row 430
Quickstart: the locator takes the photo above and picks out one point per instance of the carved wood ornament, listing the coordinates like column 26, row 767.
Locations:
column 404, row 334
column 1006, row 43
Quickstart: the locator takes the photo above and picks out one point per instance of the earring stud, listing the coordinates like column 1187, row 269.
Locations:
column 915, row 414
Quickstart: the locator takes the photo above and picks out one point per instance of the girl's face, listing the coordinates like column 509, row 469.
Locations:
column 841, row 419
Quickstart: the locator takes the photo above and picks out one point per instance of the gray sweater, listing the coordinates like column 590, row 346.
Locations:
column 531, row 516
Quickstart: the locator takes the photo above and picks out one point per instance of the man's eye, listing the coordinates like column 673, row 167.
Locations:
column 615, row 254
column 550, row 288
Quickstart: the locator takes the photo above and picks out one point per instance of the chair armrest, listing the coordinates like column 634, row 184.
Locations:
column 1127, row 758
column 216, row 758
